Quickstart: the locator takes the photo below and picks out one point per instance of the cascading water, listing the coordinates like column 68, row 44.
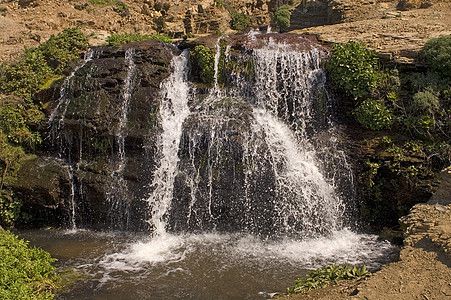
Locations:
column 173, row 111
column 117, row 192
column 63, row 101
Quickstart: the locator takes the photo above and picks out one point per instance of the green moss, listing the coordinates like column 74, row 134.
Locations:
column 50, row 82
column 27, row 273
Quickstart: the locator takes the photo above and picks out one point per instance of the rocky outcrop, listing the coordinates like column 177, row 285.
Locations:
column 90, row 131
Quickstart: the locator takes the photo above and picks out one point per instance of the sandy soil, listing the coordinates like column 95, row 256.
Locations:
column 397, row 35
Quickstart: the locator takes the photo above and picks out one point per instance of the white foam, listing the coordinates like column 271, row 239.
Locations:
column 341, row 247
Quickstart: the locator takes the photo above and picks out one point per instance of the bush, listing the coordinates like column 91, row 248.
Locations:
column 203, row 59
column 373, row 114
column 282, row 16
column 119, row 39
column 239, row 21
column 64, row 47
column 27, row 273
column 425, row 101
column 437, row 53
column 37, row 65
column 353, row 68
column 322, row 277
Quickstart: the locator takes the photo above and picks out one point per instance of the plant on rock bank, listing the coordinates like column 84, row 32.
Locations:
column 354, row 70
column 239, row 21
column 26, row 273
column 20, row 116
column 45, row 62
column 203, row 63
column 327, row 275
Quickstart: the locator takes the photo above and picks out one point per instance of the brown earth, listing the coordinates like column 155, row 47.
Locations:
column 396, row 35
column 424, row 269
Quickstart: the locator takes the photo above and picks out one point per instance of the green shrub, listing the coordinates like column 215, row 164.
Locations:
column 10, row 206
column 203, row 59
column 239, row 21
column 373, row 114
column 125, row 38
column 15, row 123
column 425, row 101
column 282, row 16
column 322, row 277
column 437, row 53
column 353, row 68
column 26, row 273
column 37, row 65
column 24, row 77
column 64, row 47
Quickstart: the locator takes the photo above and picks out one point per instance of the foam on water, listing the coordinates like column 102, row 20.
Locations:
column 342, row 247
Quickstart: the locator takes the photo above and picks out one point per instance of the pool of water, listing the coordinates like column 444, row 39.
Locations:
column 198, row 266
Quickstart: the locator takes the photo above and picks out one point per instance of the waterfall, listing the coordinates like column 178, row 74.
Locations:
column 64, row 99
column 173, row 111
column 117, row 190
column 70, row 173
column 251, row 161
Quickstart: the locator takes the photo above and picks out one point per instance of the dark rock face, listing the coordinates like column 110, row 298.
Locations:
column 85, row 133
column 215, row 189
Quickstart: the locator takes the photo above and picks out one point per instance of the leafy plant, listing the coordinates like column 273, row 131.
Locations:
column 27, row 273
column 282, row 16
column 373, row 115
column 239, row 21
column 353, row 68
column 203, row 58
column 25, row 77
column 125, row 38
column 437, row 53
column 327, row 275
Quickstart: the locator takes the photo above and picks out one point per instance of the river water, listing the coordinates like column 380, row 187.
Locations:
column 198, row 266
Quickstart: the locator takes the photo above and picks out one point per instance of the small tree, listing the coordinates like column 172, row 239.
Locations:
column 239, row 21
column 282, row 16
